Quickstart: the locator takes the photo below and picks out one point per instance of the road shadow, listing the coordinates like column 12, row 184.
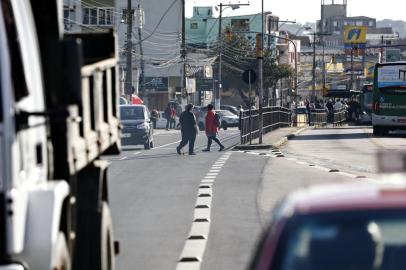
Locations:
column 127, row 148
column 328, row 137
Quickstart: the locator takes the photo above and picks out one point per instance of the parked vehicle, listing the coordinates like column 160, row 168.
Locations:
column 123, row 101
column 161, row 122
column 58, row 115
column 231, row 109
column 351, row 226
column 137, row 126
column 228, row 119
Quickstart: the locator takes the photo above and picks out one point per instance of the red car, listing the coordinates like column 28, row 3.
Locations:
column 340, row 227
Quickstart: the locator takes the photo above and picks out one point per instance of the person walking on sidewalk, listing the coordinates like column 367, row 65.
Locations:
column 212, row 125
column 188, row 129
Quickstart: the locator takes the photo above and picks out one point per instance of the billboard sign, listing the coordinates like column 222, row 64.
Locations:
column 394, row 75
column 156, row 83
column 355, row 34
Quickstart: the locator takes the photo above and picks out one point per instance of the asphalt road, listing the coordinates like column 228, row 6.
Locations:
column 223, row 201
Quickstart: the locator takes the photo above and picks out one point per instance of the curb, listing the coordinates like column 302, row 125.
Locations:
column 277, row 144
column 253, row 147
column 285, row 139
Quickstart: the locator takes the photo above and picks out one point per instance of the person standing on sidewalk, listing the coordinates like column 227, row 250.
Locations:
column 167, row 114
column 154, row 117
column 212, row 125
column 188, row 130
column 173, row 117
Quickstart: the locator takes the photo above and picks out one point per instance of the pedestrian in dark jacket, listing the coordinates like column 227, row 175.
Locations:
column 188, row 130
column 154, row 117
column 167, row 114
column 212, row 125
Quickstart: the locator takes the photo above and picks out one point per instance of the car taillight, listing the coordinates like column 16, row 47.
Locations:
column 376, row 107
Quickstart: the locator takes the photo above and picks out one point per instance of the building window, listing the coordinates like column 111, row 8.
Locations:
column 193, row 26
column 371, row 23
column 335, row 23
column 240, row 24
column 68, row 17
column 359, row 23
column 98, row 16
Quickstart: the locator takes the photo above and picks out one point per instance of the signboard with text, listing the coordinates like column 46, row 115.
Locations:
column 355, row 34
column 156, row 83
column 392, row 76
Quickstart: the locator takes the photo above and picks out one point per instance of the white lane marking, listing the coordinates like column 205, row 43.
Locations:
column 123, row 158
column 192, row 254
column 136, row 153
column 158, row 147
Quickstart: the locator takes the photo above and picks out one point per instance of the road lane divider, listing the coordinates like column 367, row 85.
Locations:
column 195, row 245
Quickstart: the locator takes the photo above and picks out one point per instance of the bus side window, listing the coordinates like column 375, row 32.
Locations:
column 17, row 69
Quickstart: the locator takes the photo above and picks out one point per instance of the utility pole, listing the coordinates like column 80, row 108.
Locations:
column 183, row 54
column 129, row 70
column 382, row 45
column 141, row 82
column 261, row 76
column 352, row 67
column 314, row 69
column 324, row 66
column 220, row 46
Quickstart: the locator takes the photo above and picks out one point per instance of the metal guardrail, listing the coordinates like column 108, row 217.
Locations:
column 340, row 116
column 274, row 118
column 318, row 117
column 322, row 117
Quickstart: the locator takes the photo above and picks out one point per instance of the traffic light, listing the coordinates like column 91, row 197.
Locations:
column 333, row 59
column 324, row 91
column 356, row 51
column 259, row 48
column 229, row 35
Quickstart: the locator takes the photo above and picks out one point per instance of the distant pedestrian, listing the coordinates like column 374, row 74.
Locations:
column 173, row 117
column 212, row 125
column 154, row 117
column 188, row 130
column 167, row 114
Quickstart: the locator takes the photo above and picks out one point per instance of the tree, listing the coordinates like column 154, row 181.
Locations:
column 239, row 55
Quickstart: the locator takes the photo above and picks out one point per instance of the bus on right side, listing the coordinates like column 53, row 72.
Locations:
column 389, row 98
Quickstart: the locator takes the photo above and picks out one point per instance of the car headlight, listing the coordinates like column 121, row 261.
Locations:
column 142, row 126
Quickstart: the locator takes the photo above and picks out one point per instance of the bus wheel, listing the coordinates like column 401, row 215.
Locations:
column 60, row 257
column 376, row 131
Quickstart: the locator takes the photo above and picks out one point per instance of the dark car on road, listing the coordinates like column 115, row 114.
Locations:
column 137, row 126
column 337, row 227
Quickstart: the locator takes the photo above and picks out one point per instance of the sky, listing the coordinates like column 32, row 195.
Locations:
column 309, row 10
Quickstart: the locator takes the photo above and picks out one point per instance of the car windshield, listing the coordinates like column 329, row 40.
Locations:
column 345, row 241
column 132, row 113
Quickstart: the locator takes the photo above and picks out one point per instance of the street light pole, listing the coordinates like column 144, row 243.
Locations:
column 220, row 53
column 220, row 46
column 261, row 76
column 129, row 69
column 314, row 69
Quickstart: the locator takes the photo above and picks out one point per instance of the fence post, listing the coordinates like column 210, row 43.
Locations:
column 241, row 128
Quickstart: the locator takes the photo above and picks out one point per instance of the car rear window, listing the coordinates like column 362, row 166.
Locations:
column 373, row 240
column 132, row 113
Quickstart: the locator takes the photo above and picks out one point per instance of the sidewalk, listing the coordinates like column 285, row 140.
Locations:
column 273, row 139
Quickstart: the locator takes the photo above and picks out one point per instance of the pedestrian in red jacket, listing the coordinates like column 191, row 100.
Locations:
column 212, row 125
